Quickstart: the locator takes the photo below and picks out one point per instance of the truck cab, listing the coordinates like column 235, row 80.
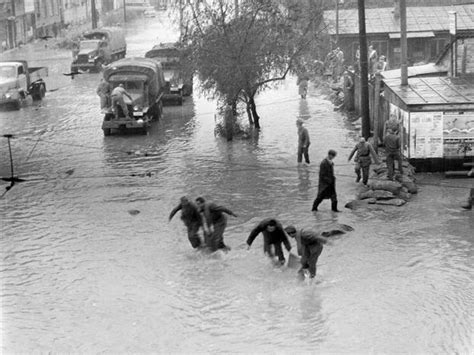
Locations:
column 98, row 48
column 17, row 81
column 143, row 80
column 179, row 82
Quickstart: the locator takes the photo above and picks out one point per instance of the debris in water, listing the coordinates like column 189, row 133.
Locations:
column 133, row 212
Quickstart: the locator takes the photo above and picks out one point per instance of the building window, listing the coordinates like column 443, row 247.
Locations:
column 437, row 46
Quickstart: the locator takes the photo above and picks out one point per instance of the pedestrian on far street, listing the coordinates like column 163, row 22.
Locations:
column 310, row 246
column 327, row 182
column 302, row 83
column 214, row 223
column 303, row 142
column 363, row 159
column 273, row 236
column 392, row 149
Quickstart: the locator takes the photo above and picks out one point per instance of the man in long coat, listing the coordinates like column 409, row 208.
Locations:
column 273, row 236
column 327, row 182
column 214, row 223
column 191, row 219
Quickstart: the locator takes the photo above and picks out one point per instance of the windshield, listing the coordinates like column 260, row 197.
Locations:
column 88, row 45
column 7, row 71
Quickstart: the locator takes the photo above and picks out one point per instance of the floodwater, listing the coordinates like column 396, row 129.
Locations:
column 82, row 271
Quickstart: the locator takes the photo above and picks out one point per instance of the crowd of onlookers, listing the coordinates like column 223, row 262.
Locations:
column 334, row 64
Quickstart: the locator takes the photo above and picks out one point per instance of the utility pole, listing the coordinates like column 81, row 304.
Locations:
column 364, row 72
column 124, row 11
column 403, row 42
column 93, row 14
column 337, row 23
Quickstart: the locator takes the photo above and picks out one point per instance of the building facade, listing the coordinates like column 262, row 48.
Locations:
column 427, row 31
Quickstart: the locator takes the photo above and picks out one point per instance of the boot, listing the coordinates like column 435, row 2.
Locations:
column 316, row 204
column 334, row 207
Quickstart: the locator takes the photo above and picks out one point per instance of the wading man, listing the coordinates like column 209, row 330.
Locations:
column 363, row 159
column 214, row 223
column 273, row 236
column 327, row 182
column 310, row 246
column 191, row 219
column 303, row 142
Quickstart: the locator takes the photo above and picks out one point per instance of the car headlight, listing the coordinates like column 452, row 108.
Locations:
column 7, row 95
column 136, row 108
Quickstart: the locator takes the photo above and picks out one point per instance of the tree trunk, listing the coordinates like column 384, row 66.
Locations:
column 249, row 113
column 229, row 122
column 253, row 108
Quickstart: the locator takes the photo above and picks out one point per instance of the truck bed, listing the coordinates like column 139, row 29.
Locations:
column 37, row 73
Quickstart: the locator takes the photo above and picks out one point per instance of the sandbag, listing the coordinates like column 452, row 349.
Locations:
column 386, row 185
column 355, row 204
column 393, row 202
column 377, row 194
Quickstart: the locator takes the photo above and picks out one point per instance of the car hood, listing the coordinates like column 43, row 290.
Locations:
column 87, row 52
column 7, row 84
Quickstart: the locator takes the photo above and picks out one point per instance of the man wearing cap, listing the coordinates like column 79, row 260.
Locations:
column 310, row 246
column 303, row 142
column 363, row 160
column 273, row 236
column 392, row 148
column 327, row 182
column 117, row 97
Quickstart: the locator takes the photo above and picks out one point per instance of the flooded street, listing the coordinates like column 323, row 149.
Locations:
column 82, row 274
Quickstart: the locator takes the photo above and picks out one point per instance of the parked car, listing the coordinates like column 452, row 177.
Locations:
column 143, row 79
column 98, row 48
column 17, row 81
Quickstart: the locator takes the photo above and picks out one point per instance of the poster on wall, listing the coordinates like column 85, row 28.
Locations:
column 426, row 135
column 458, row 134
column 399, row 121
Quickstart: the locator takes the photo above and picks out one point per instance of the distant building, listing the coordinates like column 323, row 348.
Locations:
column 427, row 27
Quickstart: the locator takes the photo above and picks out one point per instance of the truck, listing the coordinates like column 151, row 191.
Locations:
column 17, row 81
column 143, row 79
column 98, row 48
column 178, row 78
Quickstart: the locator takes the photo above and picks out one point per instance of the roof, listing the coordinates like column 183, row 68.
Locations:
column 433, row 90
column 418, row 70
column 419, row 19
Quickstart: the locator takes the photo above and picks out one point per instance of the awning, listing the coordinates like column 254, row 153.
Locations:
column 425, row 34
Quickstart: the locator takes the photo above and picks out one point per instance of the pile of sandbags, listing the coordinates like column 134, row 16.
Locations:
column 381, row 191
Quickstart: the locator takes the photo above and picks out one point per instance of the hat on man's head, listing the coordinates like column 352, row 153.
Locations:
column 299, row 121
column 290, row 229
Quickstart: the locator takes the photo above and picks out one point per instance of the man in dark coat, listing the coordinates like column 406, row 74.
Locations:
column 273, row 236
column 214, row 223
column 191, row 219
column 327, row 182
column 310, row 246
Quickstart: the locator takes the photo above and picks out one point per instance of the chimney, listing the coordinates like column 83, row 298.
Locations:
column 396, row 9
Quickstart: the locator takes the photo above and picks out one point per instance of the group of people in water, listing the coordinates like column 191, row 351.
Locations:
column 211, row 218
